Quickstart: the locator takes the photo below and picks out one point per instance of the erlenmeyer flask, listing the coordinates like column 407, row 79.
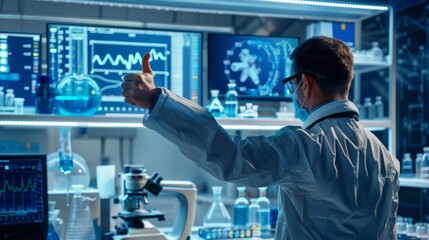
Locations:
column 217, row 215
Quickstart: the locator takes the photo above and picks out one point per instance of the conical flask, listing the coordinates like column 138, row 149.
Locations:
column 217, row 215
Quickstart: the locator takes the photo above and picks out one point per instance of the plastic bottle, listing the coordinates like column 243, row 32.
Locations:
column 424, row 169
column 264, row 212
column 241, row 209
column 217, row 215
column 254, row 224
column 379, row 107
column 407, row 166
column 9, row 100
column 215, row 107
column 418, row 164
column 44, row 94
column 80, row 224
column 368, row 109
column 231, row 100
column 1, row 97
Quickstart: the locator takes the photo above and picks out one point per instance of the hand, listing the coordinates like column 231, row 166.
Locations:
column 139, row 88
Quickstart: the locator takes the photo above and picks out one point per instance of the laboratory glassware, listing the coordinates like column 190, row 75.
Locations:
column 418, row 164
column 65, row 154
column 424, row 169
column 80, row 224
column 215, row 107
column 254, row 224
column 241, row 209
column 264, row 211
column 45, row 93
column 9, row 100
column 407, row 166
column 231, row 100
column 217, row 215
column 379, row 107
column 78, row 95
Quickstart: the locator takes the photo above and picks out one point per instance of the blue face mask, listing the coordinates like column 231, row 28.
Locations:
column 301, row 113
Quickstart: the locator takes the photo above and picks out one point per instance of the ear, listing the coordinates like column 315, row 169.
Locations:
column 307, row 84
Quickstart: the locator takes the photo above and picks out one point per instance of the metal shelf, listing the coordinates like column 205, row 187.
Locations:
column 135, row 121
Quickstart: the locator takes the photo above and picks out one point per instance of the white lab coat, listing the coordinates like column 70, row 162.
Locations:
column 336, row 180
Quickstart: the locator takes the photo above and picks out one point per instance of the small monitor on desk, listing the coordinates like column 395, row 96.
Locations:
column 23, row 197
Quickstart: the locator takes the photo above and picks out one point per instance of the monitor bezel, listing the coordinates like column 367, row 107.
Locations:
column 201, row 60
column 210, row 79
column 17, row 230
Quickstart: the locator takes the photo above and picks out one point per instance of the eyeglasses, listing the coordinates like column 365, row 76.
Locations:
column 288, row 81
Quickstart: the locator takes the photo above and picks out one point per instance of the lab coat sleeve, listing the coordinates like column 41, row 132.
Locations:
column 254, row 161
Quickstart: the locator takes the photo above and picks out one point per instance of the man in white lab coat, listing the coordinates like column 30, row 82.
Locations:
column 336, row 179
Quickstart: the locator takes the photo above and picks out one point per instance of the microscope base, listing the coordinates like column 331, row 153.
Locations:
column 148, row 232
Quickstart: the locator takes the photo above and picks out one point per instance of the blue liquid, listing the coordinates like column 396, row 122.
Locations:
column 78, row 105
column 231, row 109
column 241, row 215
column 264, row 219
column 66, row 163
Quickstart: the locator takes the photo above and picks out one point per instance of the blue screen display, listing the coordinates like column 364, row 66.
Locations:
column 20, row 64
column 257, row 64
column 107, row 54
column 22, row 190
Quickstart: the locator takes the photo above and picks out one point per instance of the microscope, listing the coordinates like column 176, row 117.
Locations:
column 135, row 185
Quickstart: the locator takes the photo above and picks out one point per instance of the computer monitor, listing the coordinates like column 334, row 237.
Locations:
column 20, row 64
column 23, row 197
column 257, row 64
column 106, row 54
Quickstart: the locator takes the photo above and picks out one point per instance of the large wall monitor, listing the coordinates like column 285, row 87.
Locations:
column 23, row 196
column 256, row 63
column 106, row 54
column 20, row 64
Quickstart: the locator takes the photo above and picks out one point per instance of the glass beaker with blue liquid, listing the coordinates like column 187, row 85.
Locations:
column 241, row 209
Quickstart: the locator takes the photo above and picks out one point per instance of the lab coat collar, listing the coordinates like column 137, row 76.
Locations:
column 330, row 108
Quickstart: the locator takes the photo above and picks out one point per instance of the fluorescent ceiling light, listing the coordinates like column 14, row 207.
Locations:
column 330, row 4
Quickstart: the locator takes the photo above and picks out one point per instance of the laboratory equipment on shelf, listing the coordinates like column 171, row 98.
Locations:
column 424, row 169
column 379, row 108
column 56, row 224
column 9, row 100
column 418, row 164
column 249, row 111
column 65, row 154
column 78, row 95
column 375, row 52
column 241, row 209
column 254, row 224
column 407, row 166
column 368, row 109
column 1, row 96
column 214, row 106
column 135, row 183
column 80, row 224
column 264, row 212
column 79, row 173
column 217, row 215
column 231, row 100
column 45, row 93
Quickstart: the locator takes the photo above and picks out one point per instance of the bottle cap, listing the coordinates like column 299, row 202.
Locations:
column 44, row 79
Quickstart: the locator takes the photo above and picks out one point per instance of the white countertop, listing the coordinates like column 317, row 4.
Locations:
column 413, row 182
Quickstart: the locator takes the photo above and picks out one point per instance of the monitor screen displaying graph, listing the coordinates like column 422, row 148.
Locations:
column 20, row 64
column 257, row 64
column 106, row 54
column 23, row 193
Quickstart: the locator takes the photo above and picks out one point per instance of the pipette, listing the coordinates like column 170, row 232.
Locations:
column 66, row 157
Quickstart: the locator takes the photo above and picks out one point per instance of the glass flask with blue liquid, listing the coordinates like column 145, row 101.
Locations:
column 65, row 154
column 407, row 166
column 264, row 212
column 78, row 95
column 241, row 209
column 231, row 100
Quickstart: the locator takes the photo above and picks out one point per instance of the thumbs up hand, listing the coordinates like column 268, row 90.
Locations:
column 139, row 88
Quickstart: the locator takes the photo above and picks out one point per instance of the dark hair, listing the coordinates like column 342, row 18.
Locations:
column 330, row 59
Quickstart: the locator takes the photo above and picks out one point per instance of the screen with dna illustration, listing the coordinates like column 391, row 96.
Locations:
column 107, row 54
